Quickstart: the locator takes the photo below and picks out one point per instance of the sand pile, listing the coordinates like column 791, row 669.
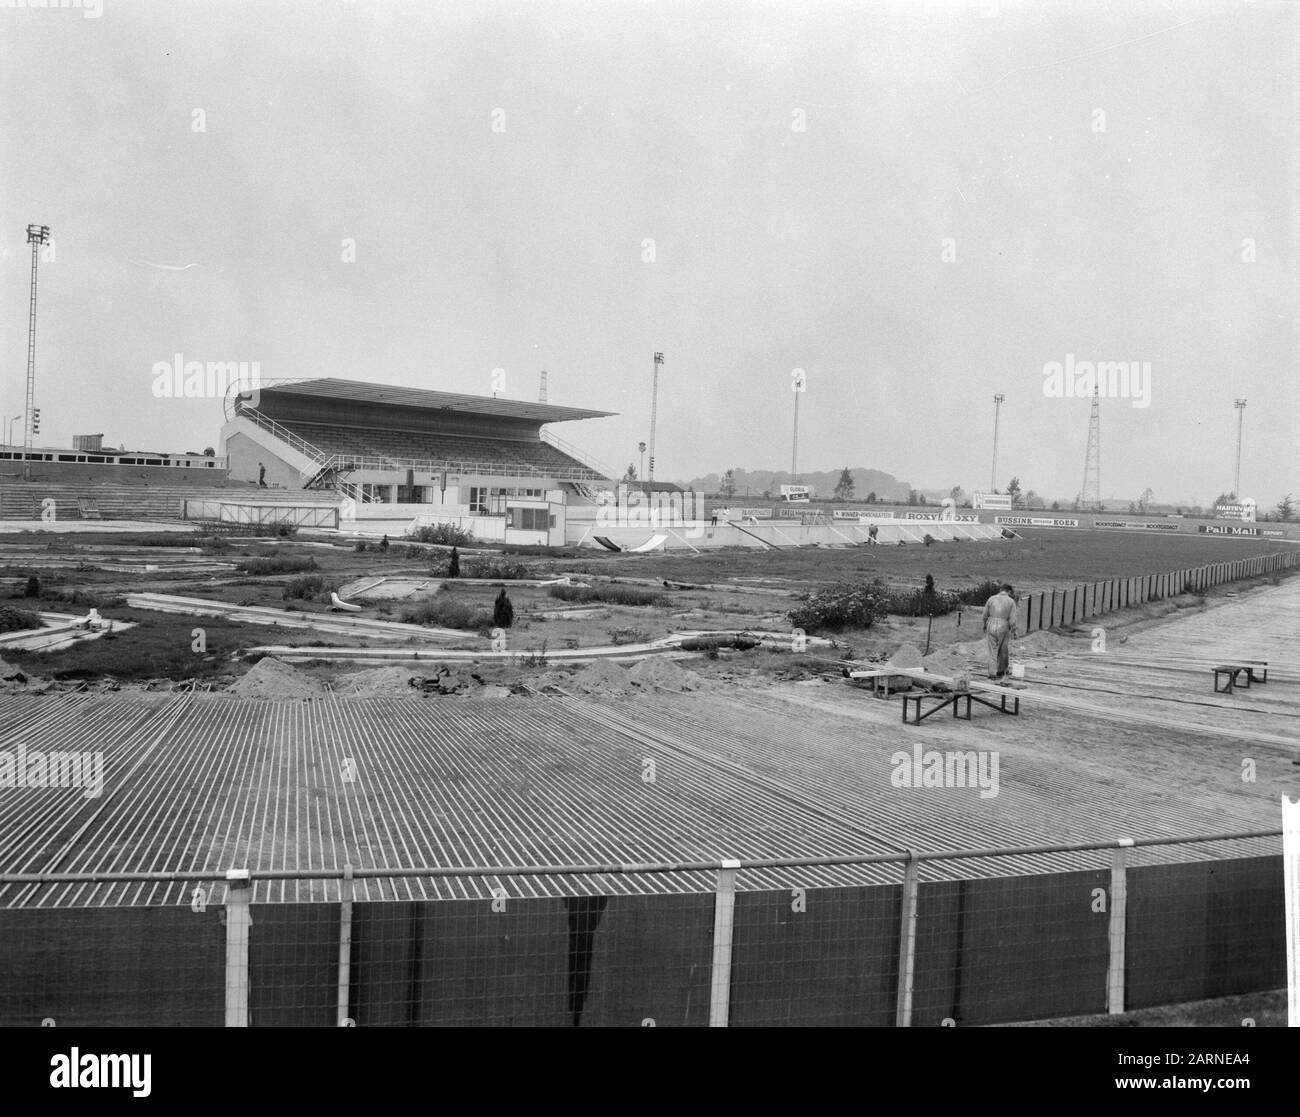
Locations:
column 378, row 682
column 599, row 679
column 906, row 655
column 665, row 674
column 273, row 678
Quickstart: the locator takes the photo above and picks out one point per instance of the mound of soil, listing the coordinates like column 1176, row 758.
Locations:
column 665, row 674
column 378, row 682
column 907, row 655
column 273, row 678
column 600, row 679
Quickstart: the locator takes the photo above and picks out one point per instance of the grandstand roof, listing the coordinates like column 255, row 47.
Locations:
column 359, row 391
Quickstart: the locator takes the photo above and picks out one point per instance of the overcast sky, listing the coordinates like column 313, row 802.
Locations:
column 920, row 205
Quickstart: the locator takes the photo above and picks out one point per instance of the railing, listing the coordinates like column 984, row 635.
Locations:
column 317, row 455
column 923, row 938
column 597, row 467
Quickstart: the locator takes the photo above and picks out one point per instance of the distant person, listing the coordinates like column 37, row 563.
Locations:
column 871, row 532
column 1000, row 625
column 261, row 475
column 714, row 521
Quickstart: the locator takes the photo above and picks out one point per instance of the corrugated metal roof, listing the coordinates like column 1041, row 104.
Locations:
column 397, row 396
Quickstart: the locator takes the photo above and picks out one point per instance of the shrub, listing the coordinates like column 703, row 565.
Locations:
column 311, row 587
column 978, row 595
column 613, row 595
column 501, row 571
column 843, row 605
column 503, row 613
column 445, row 612
column 17, row 620
column 448, row 535
column 628, row 636
column 33, row 586
column 278, row 564
column 453, row 564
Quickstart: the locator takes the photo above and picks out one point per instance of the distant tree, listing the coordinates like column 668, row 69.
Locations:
column 957, row 493
column 1225, row 498
column 1144, row 501
column 912, row 497
column 453, row 564
column 767, row 494
column 1286, row 508
column 1056, row 506
column 1013, row 487
column 1033, row 500
column 921, row 499
column 844, row 486
column 503, row 613
column 630, row 475
column 871, row 497
column 209, row 452
column 1132, row 507
column 33, row 586
column 728, row 486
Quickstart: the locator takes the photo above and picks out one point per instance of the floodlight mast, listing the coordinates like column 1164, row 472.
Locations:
column 37, row 235
column 654, row 407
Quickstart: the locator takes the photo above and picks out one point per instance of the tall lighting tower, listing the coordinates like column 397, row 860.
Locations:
column 794, row 448
column 997, row 414
column 1240, row 405
column 654, row 407
column 1090, row 497
column 37, row 235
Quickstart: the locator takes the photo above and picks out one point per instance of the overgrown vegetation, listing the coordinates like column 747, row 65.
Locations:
column 611, row 595
column 449, row 612
column 619, row 636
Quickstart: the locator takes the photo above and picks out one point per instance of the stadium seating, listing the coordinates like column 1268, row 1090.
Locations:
column 455, row 451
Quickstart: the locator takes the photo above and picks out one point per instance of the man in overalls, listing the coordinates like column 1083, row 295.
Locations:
column 1000, row 625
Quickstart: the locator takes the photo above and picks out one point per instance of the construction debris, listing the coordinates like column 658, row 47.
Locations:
column 270, row 678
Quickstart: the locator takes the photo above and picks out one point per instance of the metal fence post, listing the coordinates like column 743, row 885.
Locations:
column 724, row 922
column 907, row 942
column 345, row 944
column 239, row 919
column 1118, row 926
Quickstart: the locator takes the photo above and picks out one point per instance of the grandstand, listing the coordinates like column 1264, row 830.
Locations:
column 415, row 454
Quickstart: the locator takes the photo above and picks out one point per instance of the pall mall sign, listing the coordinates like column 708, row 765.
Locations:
column 1229, row 529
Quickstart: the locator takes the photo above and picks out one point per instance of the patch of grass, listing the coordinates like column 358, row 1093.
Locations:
column 502, row 570
column 276, row 564
column 609, row 594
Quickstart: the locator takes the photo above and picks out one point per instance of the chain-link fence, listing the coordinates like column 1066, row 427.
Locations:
column 957, row 938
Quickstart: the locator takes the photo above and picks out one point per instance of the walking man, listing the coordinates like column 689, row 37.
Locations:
column 261, row 475
column 1000, row 625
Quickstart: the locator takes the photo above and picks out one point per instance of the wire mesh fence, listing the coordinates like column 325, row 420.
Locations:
column 947, row 938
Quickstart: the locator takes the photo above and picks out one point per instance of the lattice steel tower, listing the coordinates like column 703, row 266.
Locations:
column 1090, row 497
column 37, row 235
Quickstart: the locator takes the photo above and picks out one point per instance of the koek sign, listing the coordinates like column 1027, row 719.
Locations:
column 1033, row 521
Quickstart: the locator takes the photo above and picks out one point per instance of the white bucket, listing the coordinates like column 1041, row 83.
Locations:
column 1017, row 670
